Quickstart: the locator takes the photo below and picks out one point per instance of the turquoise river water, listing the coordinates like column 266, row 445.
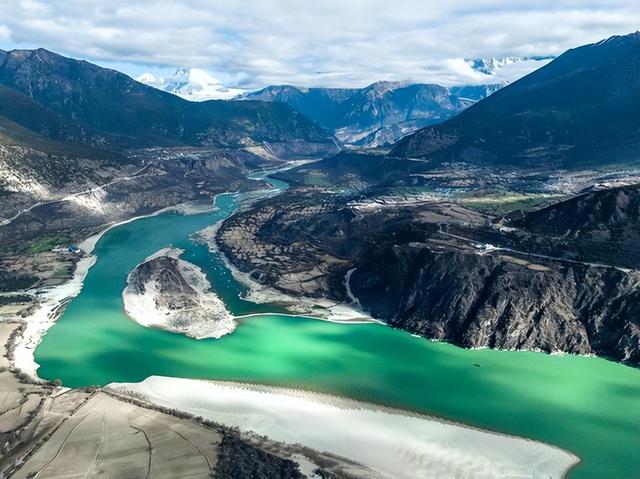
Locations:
column 586, row 405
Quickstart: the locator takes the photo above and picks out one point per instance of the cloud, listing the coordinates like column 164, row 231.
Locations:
column 5, row 33
column 322, row 43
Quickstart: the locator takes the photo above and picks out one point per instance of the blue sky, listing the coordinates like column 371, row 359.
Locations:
column 320, row 43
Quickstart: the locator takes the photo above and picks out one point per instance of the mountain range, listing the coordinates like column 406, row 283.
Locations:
column 378, row 114
column 415, row 236
column 73, row 100
column 73, row 136
column 579, row 110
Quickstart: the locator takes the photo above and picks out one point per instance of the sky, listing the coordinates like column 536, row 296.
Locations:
column 333, row 43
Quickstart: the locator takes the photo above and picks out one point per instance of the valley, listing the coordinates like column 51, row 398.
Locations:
column 398, row 281
column 265, row 347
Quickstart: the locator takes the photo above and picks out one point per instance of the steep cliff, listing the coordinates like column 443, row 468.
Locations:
column 439, row 270
column 486, row 301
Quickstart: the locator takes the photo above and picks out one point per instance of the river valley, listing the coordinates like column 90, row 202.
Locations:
column 585, row 405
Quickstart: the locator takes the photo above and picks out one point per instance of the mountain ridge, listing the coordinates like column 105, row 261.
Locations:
column 581, row 108
column 377, row 114
column 119, row 112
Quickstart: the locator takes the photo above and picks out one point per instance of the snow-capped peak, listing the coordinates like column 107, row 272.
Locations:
column 488, row 66
column 192, row 84
column 147, row 79
column 491, row 66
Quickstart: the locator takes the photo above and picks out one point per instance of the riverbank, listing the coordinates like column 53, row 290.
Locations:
column 51, row 301
column 315, row 308
column 390, row 443
column 52, row 432
column 517, row 393
column 188, row 208
column 51, row 304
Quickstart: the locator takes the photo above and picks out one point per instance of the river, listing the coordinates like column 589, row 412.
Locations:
column 586, row 405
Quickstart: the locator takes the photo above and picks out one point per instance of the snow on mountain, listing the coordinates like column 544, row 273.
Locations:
column 192, row 84
column 147, row 79
column 489, row 66
column 507, row 69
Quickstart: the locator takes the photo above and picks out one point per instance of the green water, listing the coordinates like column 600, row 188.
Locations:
column 588, row 406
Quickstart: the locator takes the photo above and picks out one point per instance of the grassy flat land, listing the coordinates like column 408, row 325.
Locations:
column 504, row 202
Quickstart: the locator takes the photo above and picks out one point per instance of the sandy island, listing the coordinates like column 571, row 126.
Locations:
column 167, row 292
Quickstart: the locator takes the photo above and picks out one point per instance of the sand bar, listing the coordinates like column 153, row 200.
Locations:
column 392, row 443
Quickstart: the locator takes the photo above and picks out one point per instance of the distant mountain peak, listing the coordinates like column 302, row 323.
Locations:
column 489, row 66
column 192, row 84
column 147, row 79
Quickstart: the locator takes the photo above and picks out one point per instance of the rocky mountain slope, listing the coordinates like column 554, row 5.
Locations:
column 378, row 114
column 23, row 110
column 601, row 225
column 35, row 169
column 316, row 103
column 486, row 301
column 579, row 110
column 169, row 177
column 446, row 272
column 114, row 111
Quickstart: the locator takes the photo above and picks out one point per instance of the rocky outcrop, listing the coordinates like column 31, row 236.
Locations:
column 439, row 270
column 488, row 301
column 601, row 226
column 172, row 294
column 34, row 207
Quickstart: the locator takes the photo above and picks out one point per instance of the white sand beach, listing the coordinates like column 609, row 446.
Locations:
column 392, row 443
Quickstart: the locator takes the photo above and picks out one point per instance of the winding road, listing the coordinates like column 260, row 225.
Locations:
column 91, row 190
column 488, row 248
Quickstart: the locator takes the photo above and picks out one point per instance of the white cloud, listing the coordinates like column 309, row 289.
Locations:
column 5, row 33
column 327, row 42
